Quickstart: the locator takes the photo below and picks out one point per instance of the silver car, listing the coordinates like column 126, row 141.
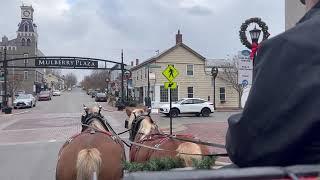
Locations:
column 24, row 100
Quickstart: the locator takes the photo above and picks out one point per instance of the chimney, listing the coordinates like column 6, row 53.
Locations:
column 132, row 63
column 178, row 37
column 137, row 62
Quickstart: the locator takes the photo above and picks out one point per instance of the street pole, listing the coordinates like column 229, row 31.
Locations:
column 170, row 111
column 214, row 93
column 148, row 82
column 5, row 100
column 122, row 74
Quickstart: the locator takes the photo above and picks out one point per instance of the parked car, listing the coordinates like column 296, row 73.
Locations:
column 44, row 96
column 17, row 93
column 69, row 89
column 24, row 100
column 195, row 106
column 56, row 93
column 89, row 91
column 93, row 94
column 101, row 97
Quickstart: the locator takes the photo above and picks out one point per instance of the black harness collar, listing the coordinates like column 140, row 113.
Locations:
column 135, row 125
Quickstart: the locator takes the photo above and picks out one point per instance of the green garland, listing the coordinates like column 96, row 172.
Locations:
column 165, row 164
column 243, row 30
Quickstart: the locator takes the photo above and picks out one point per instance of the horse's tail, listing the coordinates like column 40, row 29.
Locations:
column 88, row 164
column 189, row 148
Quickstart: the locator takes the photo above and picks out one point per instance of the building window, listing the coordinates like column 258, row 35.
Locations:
column 145, row 73
column 25, row 55
column 25, row 75
column 23, row 42
column 190, row 92
column 163, row 94
column 141, row 74
column 190, row 69
column 137, row 75
column 26, row 28
column 28, row 42
column 174, row 94
column 222, row 94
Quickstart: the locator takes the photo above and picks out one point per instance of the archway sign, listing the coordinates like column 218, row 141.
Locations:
column 53, row 62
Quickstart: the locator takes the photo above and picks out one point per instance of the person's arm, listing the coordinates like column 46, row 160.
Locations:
column 277, row 112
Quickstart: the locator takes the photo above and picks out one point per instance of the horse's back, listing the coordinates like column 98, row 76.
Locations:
column 111, row 154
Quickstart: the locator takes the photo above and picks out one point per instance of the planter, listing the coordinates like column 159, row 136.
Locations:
column 7, row 110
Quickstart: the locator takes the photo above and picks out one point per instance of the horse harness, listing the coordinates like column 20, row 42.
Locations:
column 86, row 128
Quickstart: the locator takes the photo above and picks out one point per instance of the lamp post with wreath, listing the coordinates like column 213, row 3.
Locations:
column 254, row 34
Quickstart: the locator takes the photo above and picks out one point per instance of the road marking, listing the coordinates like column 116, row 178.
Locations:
column 52, row 140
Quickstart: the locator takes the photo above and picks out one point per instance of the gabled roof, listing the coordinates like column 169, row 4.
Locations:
column 152, row 59
column 27, row 22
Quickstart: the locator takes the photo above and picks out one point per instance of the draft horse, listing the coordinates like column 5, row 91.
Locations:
column 144, row 131
column 95, row 153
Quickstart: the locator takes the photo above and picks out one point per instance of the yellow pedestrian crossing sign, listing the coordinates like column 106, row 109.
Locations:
column 171, row 85
column 170, row 73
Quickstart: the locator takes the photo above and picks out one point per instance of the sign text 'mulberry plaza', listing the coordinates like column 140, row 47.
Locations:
column 66, row 63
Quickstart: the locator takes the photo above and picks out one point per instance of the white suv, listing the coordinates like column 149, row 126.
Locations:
column 195, row 106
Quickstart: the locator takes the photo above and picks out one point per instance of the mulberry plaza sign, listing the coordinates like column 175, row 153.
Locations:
column 66, row 63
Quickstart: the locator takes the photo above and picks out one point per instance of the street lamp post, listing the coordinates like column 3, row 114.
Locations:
column 255, row 34
column 5, row 100
column 214, row 73
column 148, row 99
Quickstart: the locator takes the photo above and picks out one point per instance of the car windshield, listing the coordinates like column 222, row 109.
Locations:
column 23, row 96
column 101, row 94
column 44, row 92
column 179, row 101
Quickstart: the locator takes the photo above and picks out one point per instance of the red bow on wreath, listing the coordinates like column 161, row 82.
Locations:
column 254, row 50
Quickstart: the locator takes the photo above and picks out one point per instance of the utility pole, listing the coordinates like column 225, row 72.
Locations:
column 5, row 100
column 122, row 78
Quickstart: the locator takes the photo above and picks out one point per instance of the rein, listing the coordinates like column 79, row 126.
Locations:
column 173, row 151
column 135, row 124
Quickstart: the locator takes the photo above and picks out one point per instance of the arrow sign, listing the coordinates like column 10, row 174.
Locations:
column 171, row 85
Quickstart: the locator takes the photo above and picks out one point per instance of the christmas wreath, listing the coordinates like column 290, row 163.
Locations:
column 244, row 27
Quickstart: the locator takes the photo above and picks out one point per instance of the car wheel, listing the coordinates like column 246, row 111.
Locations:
column 174, row 113
column 205, row 112
column 15, row 107
column 34, row 105
column 31, row 105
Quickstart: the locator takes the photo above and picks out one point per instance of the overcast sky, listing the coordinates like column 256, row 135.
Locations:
column 101, row 28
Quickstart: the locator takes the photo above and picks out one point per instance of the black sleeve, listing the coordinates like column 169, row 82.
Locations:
column 281, row 106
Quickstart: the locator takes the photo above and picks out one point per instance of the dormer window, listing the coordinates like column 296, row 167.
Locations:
column 28, row 42
column 23, row 42
column 26, row 28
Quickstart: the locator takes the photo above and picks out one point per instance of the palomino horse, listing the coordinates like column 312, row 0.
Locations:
column 145, row 131
column 95, row 153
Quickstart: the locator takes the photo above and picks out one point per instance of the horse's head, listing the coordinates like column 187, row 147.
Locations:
column 140, row 122
column 94, row 118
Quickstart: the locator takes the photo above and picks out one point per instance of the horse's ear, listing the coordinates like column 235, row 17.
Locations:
column 129, row 111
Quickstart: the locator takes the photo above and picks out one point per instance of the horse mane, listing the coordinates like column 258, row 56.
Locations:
column 97, row 124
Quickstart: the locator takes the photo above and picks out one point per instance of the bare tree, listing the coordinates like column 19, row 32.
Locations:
column 14, row 83
column 71, row 80
column 96, row 80
column 229, row 75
